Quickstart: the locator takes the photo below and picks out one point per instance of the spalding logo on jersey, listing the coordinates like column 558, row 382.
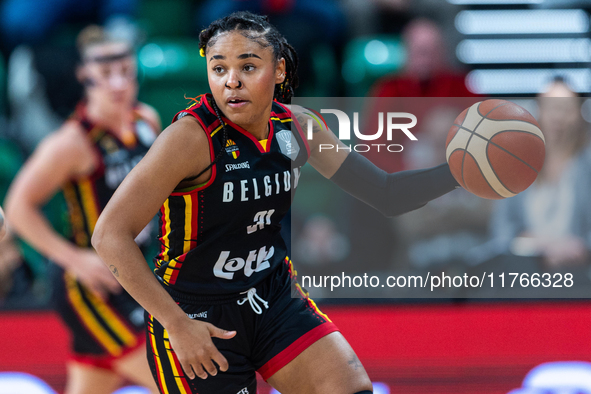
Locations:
column 288, row 144
column 232, row 149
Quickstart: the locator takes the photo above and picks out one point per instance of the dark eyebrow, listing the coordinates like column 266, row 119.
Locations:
column 109, row 58
column 243, row 56
column 247, row 55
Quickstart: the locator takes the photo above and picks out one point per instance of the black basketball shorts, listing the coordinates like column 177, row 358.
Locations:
column 101, row 331
column 272, row 328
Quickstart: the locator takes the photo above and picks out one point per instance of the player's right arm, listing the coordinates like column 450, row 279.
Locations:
column 59, row 157
column 179, row 153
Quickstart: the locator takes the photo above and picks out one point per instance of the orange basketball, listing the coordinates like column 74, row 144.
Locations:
column 495, row 149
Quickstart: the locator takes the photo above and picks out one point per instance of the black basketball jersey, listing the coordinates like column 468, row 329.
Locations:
column 87, row 196
column 223, row 237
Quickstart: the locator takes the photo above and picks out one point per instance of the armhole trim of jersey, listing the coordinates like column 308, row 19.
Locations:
column 211, row 155
column 149, row 122
column 90, row 137
column 298, row 127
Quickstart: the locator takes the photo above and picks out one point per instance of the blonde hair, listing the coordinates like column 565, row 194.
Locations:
column 93, row 35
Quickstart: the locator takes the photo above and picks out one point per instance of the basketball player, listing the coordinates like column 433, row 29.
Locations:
column 87, row 158
column 222, row 177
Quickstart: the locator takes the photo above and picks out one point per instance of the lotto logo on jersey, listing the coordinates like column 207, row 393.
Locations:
column 257, row 260
column 232, row 149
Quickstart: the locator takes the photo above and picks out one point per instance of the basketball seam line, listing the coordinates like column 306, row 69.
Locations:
column 481, row 173
column 494, row 172
column 462, row 166
column 518, row 131
column 512, row 120
column 473, row 132
column 484, row 177
column 500, row 147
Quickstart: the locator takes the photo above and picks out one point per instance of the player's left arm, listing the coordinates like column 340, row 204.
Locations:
column 391, row 194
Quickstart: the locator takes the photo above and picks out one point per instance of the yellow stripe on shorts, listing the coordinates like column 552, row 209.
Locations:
column 88, row 319
column 160, row 371
column 113, row 320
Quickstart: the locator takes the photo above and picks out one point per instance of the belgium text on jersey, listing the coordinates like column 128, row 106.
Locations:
column 255, row 188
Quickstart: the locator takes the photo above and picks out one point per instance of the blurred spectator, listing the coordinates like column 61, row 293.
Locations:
column 305, row 24
column 444, row 229
column 426, row 74
column 321, row 243
column 37, row 78
column 41, row 88
column 552, row 219
column 391, row 15
column 32, row 21
column 368, row 17
column 363, row 15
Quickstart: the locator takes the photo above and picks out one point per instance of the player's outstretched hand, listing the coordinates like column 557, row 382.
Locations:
column 191, row 341
column 94, row 274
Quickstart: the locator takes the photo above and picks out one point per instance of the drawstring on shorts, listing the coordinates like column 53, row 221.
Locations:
column 250, row 297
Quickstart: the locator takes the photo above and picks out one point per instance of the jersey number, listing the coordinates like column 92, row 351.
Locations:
column 260, row 219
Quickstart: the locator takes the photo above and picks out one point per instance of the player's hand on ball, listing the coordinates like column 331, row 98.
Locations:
column 191, row 341
column 495, row 149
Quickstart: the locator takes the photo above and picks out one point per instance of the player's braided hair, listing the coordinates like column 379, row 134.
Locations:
column 259, row 29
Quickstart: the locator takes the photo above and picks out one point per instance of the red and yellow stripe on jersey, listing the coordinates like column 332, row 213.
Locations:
column 303, row 293
column 157, row 358
column 179, row 246
column 84, row 209
column 166, row 362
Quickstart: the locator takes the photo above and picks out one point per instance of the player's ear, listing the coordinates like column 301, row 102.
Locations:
column 280, row 71
column 83, row 77
column 81, row 74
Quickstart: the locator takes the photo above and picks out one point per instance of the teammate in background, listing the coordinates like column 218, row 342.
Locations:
column 222, row 177
column 87, row 158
